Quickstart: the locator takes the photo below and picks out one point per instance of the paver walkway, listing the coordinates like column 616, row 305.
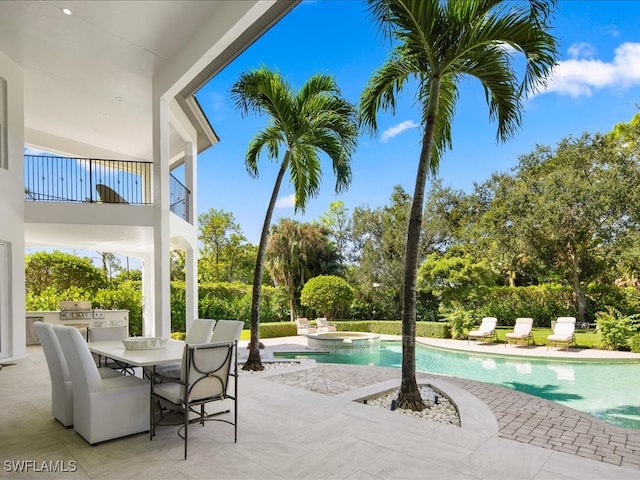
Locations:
column 521, row 417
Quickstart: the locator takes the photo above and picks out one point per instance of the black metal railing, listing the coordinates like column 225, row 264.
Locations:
column 87, row 180
column 179, row 198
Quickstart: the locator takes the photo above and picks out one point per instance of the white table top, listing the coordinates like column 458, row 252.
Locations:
column 171, row 353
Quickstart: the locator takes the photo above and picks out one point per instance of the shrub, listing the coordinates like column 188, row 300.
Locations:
column 634, row 343
column 128, row 296
column 460, row 321
column 327, row 294
column 617, row 329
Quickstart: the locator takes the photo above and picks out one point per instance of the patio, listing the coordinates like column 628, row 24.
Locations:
column 299, row 422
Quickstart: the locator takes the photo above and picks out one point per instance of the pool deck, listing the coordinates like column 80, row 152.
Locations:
column 302, row 422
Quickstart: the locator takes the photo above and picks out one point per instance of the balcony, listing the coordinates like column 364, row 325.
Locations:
column 88, row 180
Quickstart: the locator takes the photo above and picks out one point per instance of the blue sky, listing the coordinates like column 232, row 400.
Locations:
column 595, row 86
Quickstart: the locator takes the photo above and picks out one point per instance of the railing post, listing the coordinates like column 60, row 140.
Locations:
column 91, row 180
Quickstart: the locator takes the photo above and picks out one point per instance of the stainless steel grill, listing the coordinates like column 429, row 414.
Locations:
column 70, row 310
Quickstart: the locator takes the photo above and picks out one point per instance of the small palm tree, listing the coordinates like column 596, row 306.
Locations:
column 437, row 43
column 305, row 123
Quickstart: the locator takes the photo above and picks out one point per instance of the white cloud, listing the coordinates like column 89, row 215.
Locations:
column 581, row 76
column 611, row 30
column 581, row 50
column 389, row 133
column 286, row 202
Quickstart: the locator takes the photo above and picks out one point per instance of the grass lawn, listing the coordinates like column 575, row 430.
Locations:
column 583, row 339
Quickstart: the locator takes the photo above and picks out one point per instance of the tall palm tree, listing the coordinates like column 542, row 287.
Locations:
column 305, row 123
column 437, row 43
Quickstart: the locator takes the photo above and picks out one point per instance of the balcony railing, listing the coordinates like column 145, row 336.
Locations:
column 88, row 180
column 179, row 198
column 78, row 180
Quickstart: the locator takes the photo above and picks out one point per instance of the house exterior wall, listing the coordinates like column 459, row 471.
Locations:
column 12, row 296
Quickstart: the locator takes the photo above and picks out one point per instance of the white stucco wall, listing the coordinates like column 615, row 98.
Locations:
column 12, row 329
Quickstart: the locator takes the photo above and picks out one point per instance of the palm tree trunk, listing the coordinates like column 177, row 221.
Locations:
column 253, row 361
column 409, row 396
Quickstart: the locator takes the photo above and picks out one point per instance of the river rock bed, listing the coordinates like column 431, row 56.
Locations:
column 440, row 409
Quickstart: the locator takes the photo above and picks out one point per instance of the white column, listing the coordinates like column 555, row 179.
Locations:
column 161, row 278
column 191, row 257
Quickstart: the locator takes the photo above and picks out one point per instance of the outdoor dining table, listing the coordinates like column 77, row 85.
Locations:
column 149, row 358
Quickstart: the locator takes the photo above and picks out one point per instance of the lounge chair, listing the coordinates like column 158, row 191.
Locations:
column 323, row 325
column 486, row 330
column 521, row 332
column 304, row 327
column 563, row 333
column 108, row 195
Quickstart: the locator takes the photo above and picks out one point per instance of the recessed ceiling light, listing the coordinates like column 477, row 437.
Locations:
column 66, row 11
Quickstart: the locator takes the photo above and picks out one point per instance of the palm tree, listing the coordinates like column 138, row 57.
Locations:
column 305, row 123
column 297, row 252
column 437, row 43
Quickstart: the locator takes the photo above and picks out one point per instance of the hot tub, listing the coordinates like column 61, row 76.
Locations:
column 344, row 343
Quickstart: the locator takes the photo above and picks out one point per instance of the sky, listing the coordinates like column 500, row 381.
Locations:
column 595, row 85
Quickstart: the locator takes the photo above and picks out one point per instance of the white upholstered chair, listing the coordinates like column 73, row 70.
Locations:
column 61, row 389
column 106, row 334
column 227, row 331
column 199, row 332
column 103, row 408
column 204, row 380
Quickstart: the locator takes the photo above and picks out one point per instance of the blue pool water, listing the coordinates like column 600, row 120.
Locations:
column 609, row 391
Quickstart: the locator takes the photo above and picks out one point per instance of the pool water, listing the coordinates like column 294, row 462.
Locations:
column 609, row 391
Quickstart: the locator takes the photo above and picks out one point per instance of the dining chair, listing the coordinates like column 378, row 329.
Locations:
column 103, row 408
column 205, row 379
column 227, row 331
column 61, row 388
column 106, row 334
column 199, row 332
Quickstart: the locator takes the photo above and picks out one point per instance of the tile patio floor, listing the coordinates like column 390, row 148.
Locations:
column 303, row 423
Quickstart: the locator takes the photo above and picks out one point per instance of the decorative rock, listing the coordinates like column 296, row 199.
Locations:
column 439, row 407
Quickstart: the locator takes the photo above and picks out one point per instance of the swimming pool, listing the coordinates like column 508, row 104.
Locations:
column 609, row 391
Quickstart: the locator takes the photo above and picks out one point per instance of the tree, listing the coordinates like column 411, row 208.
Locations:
column 60, row 271
column 378, row 249
column 337, row 220
column 295, row 252
column 327, row 294
column 571, row 209
column 223, row 246
column 111, row 265
column 305, row 123
column 438, row 43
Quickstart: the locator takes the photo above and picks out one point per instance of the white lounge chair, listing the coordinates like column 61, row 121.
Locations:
column 563, row 333
column 486, row 330
column 323, row 325
column 304, row 327
column 522, row 332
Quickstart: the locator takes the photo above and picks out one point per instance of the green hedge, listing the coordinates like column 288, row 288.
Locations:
column 394, row 327
column 544, row 303
column 230, row 301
